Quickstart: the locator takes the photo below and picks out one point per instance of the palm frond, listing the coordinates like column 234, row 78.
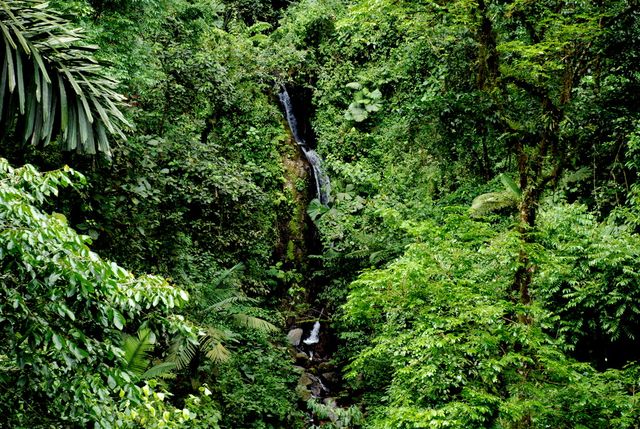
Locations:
column 224, row 299
column 182, row 352
column 162, row 370
column 218, row 353
column 225, row 274
column 50, row 82
column 254, row 323
column 211, row 343
column 137, row 349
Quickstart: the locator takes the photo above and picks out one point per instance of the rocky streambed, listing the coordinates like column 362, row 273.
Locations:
column 312, row 346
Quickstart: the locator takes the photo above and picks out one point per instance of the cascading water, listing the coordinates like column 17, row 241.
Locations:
column 319, row 377
column 323, row 185
column 314, row 337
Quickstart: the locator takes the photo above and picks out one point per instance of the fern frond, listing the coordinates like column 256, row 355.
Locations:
column 218, row 353
column 212, row 346
column 161, row 370
column 182, row 351
column 225, row 274
column 137, row 349
column 223, row 299
column 254, row 323
column 488, row 203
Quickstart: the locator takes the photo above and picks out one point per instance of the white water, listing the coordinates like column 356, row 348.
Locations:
column 323, row 185
column 314, row 337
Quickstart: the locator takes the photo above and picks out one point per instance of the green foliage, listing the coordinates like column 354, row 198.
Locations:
column 64, row 310
column 441, row 341
column 588, row 276
column 339, row 418
column 199, row 411
column 365, row 102
column 415, row 107
column 256, row 386
column 50, row 79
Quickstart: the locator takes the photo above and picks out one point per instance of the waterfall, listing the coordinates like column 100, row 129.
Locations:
column 323, row 185
column 314, row 337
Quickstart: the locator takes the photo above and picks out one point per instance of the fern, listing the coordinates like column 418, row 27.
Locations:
column 254, row 323
column 491, row 202
column 137, row 356
column 162, row 370
column 225, row 274
column 484, row 204
column 224, row 302
column 182, row 351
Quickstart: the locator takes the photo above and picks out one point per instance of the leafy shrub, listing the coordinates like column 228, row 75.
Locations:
column 64, row 311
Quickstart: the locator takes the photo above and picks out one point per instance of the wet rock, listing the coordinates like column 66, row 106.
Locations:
column 311, row 383
column 326, row 366
column 306, row 380
column 303, row 392
column 331, row 377
column 330, row 402
column 295, row 336
column 316, row 390
column 302, row 358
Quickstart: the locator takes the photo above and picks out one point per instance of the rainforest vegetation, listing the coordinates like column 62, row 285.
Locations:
column 167, row 259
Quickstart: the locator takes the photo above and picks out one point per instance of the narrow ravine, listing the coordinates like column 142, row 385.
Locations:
column 309, row 335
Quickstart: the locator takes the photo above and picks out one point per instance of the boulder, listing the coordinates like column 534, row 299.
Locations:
column 298, row 369
column 331, row 377
column 303, row 392
column 326, row 366
column 295, row 336
column 305, row 380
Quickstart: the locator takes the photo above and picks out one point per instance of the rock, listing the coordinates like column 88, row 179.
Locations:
column 295, row 336
column 303, row 392
column 305, row 380
column 331, row 377
column 316, row 390
column 302, row 358
column 330, row 402
column 326, row 366
column 298, row 369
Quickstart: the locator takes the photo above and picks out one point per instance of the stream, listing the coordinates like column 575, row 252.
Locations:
column 312, row 343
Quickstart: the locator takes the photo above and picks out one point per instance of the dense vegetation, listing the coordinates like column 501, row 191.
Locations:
column 478, row 261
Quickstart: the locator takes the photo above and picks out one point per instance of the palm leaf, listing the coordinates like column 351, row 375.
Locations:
column 137, row 349
column 218, row 353
column 41, row 55
column 162, row 370
column 510, row 185
column 182, row 351
column 225, row 274
column 212, row 346
column 254, row 323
